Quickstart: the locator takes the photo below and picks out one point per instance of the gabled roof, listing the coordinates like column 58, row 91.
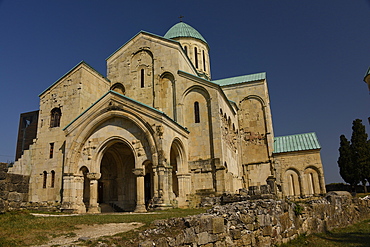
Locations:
column 241, row 79
column 76, row 66
column 182, row 29
column 129, row 100
column 300, row 142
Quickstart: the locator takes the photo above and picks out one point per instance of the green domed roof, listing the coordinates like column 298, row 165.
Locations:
column 182, row 29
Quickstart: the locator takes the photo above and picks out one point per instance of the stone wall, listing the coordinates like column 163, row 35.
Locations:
column 263, row 222
column 13, row 190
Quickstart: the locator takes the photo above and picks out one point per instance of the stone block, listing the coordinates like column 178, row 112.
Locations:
column 146, row 243
column 161, row 242
column 264, row 241
column 219, row 244
column 236, row 233
column 204, row 238
column 267, row 231
column 218, row 224
column 179, row 240
column 247, row 219
column 205, row 223
column 15, row 197
column 285, row 221
column 189, row 236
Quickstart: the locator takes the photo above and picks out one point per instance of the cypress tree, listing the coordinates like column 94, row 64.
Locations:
column 348, row 172
column 360, row 151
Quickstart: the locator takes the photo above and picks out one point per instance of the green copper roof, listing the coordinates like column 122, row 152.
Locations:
column 182, row 29
column 241, row 79
column 300, row 142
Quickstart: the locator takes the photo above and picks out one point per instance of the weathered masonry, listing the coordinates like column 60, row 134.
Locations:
column 157, row 131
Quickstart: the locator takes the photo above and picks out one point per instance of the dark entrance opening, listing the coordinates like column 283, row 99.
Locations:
column 117, row 185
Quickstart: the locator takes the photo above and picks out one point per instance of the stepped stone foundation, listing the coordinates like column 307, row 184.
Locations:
column 261, row 222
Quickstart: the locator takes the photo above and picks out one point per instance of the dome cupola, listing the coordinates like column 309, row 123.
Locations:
column 194, row 45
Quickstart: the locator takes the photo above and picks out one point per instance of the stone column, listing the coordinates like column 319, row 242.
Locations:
column 184, row 189
column 69, row 203
column 301, row 184
column 140, row 194
column 94, row 205
column 322, row 184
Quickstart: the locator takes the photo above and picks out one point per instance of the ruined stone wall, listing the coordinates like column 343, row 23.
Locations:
column 14, row 193
column 13, row 189
column 257, row 222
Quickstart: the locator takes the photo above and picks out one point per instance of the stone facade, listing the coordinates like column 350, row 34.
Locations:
column 156, row 132
column 300, row 173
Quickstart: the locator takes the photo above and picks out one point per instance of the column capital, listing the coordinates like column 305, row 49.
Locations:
column 139, row 172
column 93, row 175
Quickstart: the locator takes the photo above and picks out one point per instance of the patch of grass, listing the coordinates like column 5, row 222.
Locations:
column 24, row 229
column 355, row 235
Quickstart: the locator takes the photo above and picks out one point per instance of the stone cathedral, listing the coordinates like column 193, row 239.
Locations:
column 157, row 131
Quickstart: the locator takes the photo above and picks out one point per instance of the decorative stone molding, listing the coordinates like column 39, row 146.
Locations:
column 114, row 106
column 87, row 150
column 253, row 138
column 159, row 131
column 138, row 172
column 93, row 176
column 138, row 147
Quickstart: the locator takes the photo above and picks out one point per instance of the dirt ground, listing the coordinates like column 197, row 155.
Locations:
column 90, row 232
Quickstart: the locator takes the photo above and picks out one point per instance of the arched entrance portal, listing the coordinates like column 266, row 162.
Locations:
column 117, row 184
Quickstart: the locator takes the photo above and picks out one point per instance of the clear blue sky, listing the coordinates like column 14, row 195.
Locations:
column 315, row 54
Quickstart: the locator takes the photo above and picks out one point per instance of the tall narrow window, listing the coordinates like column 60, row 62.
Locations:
column 52, row 179
column 196, row 112
column 204, row 62
column 142, row 81
column 45, row 174
column 292, row 187
column 55, row 117
column 196, row 57
column 186, row 50
column 51, row 151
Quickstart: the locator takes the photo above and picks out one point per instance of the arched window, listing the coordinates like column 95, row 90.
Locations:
column 142, row 81
column 196, row 57
column 196, row 112
column 55, row 117
column 204, row 61
column 186, row 50
column 45, row 174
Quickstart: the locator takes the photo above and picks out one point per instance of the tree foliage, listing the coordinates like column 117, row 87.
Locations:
column 346, row 168
column 354, row 156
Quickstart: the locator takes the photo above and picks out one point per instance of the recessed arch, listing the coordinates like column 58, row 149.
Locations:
column 119, row 88
column 167, row 91
column 196, row 101
column 90, row 125
column 255, row 97
column 312, row 180
column 293, row 182
column 86, row 186
column 177, row 162
column 55, row 116
column 117, row 184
